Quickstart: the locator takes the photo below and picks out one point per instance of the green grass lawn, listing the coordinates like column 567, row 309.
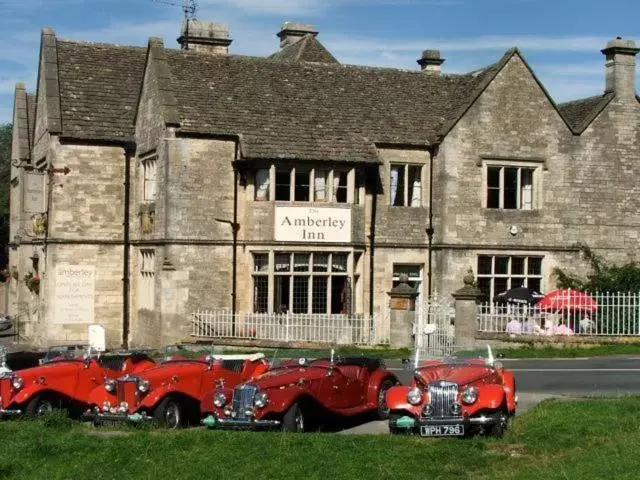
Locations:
column 557, row 440
column 571, row 352
column 400, row 353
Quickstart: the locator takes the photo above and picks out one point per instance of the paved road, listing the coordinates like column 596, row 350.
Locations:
column 540, row 379
column 575, row 376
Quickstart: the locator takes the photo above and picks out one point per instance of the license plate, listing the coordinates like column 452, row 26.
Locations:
column 441, row 430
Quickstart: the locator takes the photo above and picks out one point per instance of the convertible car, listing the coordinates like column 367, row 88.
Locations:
column 171, row 392
column 63, row 381
column 454, row 397
column 297, row 394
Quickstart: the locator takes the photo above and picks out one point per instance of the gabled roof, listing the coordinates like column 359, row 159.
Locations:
column 99, row 89
column 580, row 113
column 312, row 110
column 307, row 49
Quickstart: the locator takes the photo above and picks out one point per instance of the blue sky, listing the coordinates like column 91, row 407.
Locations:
column 561, row 39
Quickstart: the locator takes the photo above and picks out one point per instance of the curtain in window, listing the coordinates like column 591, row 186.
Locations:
column 395, row 174
column 336, row 184
column 262, row 185
column 526, row 191
column 416, row 185
column 320, row 187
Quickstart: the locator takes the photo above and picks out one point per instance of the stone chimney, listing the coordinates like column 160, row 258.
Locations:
column 620, row 67
column 290, row 33
column 205, row 37
column 430, row 62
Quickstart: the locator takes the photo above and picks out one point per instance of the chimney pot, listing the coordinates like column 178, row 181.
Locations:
column 620, row 67
column 430, row 62
column 208, row 37
column 291, row 32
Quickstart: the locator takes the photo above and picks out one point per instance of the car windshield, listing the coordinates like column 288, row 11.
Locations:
column 209, row 353
column 322, row 357
column 64, row 352
column 455, row 355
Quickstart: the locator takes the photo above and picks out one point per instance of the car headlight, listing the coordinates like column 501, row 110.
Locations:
column 469, row 395
column 143, row 386
column 414, row 396
column 17, row 383
column 260, row 400
column 110, row 385
column 219, row 399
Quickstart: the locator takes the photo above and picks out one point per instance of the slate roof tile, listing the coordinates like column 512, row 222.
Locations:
column 580, row 113
column 313, row 110
column 99, row 89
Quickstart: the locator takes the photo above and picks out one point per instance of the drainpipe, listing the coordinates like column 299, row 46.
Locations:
column 373, row 175
column 433, row 151
column 127, row 243
column 235, row 227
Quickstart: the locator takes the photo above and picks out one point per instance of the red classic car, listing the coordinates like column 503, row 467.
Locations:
column 454, row 397
column 298, row 393
column 63, row 381
column 171, row 391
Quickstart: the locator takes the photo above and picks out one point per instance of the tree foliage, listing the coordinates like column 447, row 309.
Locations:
column 604, row 277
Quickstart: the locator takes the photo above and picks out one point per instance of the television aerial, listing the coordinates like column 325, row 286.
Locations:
column 189, row 7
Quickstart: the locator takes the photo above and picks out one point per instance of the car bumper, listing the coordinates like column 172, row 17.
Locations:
column 446, row 426
column 8, row 412
column 111, row 417
column 249, row 423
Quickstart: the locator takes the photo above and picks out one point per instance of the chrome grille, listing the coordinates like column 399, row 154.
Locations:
column 243, row 399
column 441, row 396
column 126, row 389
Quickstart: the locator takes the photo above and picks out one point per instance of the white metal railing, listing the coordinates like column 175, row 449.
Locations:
column 291, row 327
column 611, row 313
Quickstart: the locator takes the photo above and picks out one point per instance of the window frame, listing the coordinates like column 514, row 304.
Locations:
column 535, row 166
column 299, row 265
column 407, row 185
column 509, row 276
column 147, row 276
column 149, row 178
column 311, row 173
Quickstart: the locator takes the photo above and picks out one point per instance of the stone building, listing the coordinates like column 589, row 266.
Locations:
column 151, row 182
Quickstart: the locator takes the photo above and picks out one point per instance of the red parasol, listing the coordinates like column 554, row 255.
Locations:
column 567, row 299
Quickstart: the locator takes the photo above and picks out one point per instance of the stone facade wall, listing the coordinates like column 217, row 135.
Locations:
column 397, row 224
column 88, row 203
column 513, row 120
column 107, row 260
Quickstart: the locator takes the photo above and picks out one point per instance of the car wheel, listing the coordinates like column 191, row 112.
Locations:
column 293, row 420
column 383, row 408
column 497, row 430
column 38, row 405
column 169, row 413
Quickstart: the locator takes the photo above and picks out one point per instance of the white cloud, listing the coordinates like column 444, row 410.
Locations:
column 312, row 7
column 341, row 43
column 575, row 69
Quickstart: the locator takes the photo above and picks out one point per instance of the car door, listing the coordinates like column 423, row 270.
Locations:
column 87, row 378
column 342, row 390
